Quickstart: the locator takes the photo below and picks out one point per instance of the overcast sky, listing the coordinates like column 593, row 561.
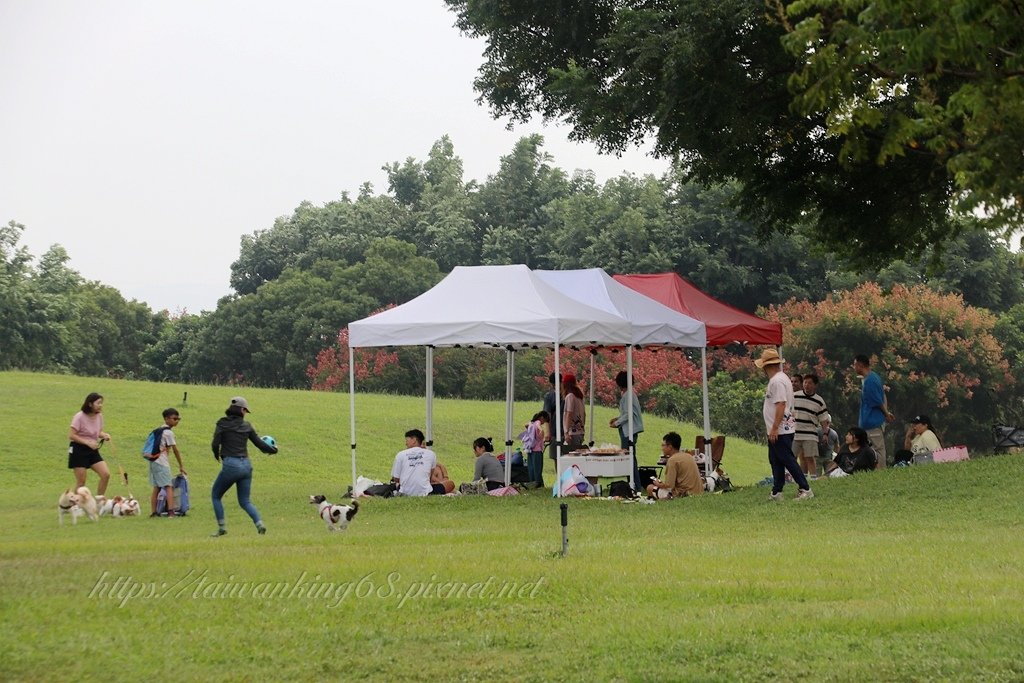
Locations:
column 147, row 137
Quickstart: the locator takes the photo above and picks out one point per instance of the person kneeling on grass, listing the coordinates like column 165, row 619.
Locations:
column 856, row 455
column 682, row 477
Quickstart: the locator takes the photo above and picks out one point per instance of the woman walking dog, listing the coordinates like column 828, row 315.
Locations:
column 86, row 437
column 230, row 447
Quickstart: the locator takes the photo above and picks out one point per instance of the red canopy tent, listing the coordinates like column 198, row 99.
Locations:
column 725, row 324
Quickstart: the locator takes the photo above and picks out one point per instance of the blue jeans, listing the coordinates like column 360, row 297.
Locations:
column 781, row 458
column 234, row 472
column 535, row 466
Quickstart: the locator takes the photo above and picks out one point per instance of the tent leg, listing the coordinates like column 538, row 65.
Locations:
column 510, row 371
column 558, row 422
column 629, row 433
column 352, row 410
column 429, row 383
column 593, row 352
column 708, row 465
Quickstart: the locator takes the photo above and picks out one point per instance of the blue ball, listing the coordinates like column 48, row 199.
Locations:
column 269, row 440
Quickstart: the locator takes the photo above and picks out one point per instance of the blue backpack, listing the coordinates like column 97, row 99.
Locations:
column 151, row 449
column 180, row 484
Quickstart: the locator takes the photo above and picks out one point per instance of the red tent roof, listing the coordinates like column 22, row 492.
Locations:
column 725, row 324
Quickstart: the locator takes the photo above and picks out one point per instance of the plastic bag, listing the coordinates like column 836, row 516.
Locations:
column 573, row 483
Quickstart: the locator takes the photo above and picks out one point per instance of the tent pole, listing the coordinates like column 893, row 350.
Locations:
column 558, row 422
column 352, row 410
column 510, row 369
column 629, row 395
column 429, row 382
column 707, row 415
column 593, row 352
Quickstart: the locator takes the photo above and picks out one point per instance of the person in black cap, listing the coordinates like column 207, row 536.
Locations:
column 230, row 440
column 920, row 438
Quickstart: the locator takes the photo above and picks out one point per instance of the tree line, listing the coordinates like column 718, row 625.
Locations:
column 300, row 281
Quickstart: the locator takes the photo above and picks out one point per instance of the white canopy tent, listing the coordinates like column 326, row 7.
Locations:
column 653, row 324
column 500, row 306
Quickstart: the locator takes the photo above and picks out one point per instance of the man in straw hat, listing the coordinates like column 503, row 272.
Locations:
column 778, row 418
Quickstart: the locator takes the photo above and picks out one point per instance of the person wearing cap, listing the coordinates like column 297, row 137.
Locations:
column 920, row 438
column 781, row 426
column 230, row 447
column 574, row 415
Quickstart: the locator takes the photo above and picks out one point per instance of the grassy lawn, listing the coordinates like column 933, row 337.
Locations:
column 909, row 574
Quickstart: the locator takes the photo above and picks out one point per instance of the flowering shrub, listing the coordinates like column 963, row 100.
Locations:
column 935, row 355
column 330, row 371
column 651, row 367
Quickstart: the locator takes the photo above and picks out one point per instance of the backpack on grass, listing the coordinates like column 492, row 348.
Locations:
column 151, row 449
column 181, row 502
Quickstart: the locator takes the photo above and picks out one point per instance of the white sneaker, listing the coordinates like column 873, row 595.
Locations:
column 775, row 497
column 804, row 494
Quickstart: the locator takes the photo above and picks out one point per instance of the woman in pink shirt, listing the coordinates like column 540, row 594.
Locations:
column 574, row 414
column 86, row 437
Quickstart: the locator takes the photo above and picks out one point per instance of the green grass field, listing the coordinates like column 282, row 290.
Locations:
column 910, row 574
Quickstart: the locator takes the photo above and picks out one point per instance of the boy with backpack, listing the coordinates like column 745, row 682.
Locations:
column 160, row 441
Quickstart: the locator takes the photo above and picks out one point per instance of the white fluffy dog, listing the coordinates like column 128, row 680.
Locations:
column 336, row 517
column 77, row 502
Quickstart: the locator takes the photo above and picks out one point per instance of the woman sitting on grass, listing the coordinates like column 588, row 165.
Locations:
column 487, row 466
column 856, row 455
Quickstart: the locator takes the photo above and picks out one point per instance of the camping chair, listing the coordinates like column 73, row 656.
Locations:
column 717, row 453
column 1006, row 438
column 717, row 449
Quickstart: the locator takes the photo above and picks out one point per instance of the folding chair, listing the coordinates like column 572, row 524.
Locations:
column 717, row 449
column 1006, row 437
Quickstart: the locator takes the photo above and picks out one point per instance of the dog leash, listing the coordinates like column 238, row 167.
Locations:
column 117, row 464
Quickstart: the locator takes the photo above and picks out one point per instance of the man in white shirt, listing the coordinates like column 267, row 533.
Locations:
column 411, row 471
column 781, row 426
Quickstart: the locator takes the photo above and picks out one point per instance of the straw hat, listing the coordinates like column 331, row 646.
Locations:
column 768, row 357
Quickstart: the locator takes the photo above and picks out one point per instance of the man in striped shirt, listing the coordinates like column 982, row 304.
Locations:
column 812, row 420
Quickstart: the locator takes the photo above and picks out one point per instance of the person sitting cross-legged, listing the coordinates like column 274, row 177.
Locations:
column 682, row 477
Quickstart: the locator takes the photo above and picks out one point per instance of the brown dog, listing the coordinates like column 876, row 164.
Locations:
column 77, row 502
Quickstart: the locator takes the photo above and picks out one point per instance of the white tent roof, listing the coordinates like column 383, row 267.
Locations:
column 490, row 305
column 652, row 322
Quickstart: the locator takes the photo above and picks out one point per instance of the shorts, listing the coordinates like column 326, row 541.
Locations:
column 436, row 490
column 805, row 449
column 159, row 474
column 82, row 456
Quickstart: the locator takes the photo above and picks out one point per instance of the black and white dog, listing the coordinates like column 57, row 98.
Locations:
column 336, row 517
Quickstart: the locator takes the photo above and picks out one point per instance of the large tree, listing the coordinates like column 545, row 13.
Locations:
column 942, row 80
column 710, row 82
